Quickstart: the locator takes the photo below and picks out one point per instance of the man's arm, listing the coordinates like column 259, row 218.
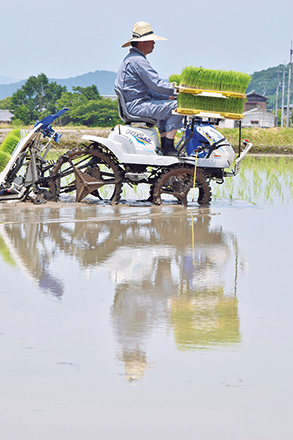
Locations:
column 151, row 79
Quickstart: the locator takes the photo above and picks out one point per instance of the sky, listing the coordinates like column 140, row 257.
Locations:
column 66, row 38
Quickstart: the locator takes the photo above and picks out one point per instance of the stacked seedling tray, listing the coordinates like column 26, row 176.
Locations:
column 213, row 93
column 8, row 146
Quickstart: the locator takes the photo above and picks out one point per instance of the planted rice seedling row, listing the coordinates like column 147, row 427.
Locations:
column 260, row 178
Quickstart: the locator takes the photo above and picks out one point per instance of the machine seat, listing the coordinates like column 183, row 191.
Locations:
column 127, row 117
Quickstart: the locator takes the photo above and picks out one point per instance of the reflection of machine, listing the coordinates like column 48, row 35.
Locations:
column 172, row 271
column 25, row 248
column 136, row 265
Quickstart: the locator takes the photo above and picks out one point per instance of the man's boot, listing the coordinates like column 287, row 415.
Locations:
column 168, row 147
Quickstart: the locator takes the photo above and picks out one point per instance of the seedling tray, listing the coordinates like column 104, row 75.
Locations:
column 211, row 93
column 209, row 114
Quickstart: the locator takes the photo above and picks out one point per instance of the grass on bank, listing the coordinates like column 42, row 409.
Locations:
column 266, row 140
column 261, row 137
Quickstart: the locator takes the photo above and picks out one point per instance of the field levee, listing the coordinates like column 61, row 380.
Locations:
column 265, row 141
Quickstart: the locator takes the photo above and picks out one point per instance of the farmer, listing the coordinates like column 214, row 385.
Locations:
column 144, row 92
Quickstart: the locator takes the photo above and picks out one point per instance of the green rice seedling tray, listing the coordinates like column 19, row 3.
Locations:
column 217, row 80
column 208, row 114
column 210, row 93
column 211, row 102
column 8, row 146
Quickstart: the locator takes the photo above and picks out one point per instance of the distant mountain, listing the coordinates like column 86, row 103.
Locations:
column 103, row 79
column 7, row 80
column 9, row 89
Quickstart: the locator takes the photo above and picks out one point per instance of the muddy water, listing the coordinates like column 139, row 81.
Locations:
column 143, row 322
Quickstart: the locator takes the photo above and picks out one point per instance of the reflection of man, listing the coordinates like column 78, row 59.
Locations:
column 144, row 92
column 140, row 306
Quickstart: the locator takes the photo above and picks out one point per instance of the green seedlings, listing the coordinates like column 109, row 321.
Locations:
column 175, row 78
column 220, row 80
column 265, row 178
column 227, row 105
column 8, row 146
column 212, row 80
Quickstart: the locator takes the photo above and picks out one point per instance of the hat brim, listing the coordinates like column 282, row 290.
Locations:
column 150, row 37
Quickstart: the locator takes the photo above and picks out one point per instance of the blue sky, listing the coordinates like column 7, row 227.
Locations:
column 65, row 38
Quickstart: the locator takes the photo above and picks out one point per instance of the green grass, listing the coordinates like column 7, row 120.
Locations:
column 265, row 140
column 263, row 137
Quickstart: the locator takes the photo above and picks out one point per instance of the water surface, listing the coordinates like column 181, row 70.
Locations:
column 138, row 322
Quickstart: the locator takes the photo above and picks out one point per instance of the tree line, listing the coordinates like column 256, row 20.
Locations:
column 39, row 97
column 266, row 82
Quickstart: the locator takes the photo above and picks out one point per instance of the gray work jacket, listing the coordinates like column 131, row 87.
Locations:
column 138, row 81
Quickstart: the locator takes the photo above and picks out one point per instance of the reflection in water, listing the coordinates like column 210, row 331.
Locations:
column 170, row 271
column 25, row 245
column 205, row 318
column 205, row 314
column 172, row 280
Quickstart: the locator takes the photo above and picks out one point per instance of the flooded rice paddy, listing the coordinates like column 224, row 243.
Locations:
column 143, row 322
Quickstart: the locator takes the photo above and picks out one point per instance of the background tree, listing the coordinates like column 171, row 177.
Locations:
column 5, row 104
column 35, row 99
column 39, row 97
column 87, row 107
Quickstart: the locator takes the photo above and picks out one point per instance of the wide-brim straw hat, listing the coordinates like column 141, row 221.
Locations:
column 142, row 31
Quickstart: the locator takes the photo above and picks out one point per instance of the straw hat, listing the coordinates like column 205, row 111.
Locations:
column 142, row 31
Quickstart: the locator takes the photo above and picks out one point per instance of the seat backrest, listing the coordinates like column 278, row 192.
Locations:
column 127, row 117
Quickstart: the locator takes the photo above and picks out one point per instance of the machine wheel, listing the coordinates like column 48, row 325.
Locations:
column 178, row 182
column 87, row 170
